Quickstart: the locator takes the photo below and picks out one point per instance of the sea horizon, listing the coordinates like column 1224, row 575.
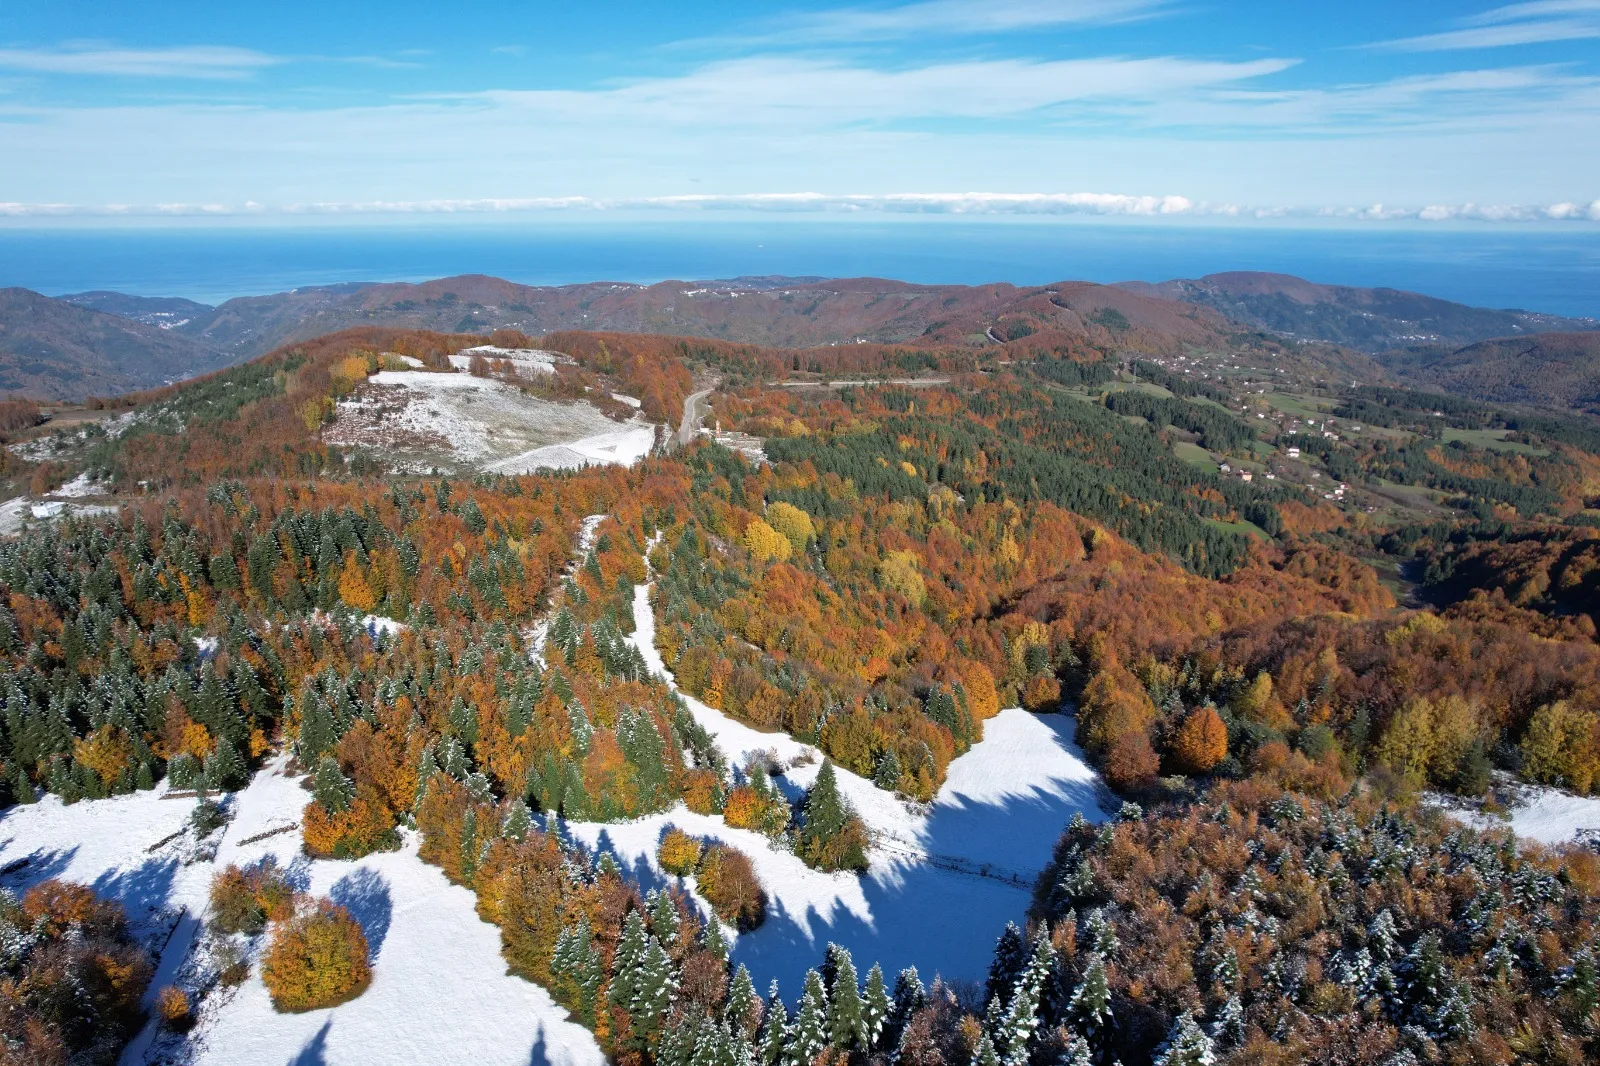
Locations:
column 1552, row 270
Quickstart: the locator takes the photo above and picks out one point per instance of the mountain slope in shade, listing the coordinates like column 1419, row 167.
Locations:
column 54, row 350
column 1370, row 320
column 168, row 312
column 768, row 311
column 1551, row 369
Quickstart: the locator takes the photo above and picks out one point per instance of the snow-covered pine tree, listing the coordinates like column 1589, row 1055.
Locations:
column 1090, row 1007
column 678, row 1042
column 518, row 821
column 909, row 997
column 1010, row 953
column 1187, row 1045
column 875, row 1006
column 847, row 1028
column 1014, row 1036
column 1075, row 1052
column 984, row 1054
column 712, row 940
column 653, row 998
column 775, row 1030
column 809, row 1033
column 663, row 916
column 330, row 787
column 1383, row 938
column 1100, row 934
column 625, row 961
column 1227, row 1028
column 743, row 1008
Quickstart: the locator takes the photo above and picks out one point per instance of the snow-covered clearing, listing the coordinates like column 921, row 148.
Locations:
column 943, row 881
column 418, row 420
column 1547, row 815
column 15, row 514
column 440, row 993
column 526, row 360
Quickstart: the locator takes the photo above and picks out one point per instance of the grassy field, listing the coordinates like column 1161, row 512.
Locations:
column 1192, row 453
column 1493, row 439
column 1299, row 406
column 1240, row 526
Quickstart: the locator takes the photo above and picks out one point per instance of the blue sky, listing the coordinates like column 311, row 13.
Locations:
column 1360, row 110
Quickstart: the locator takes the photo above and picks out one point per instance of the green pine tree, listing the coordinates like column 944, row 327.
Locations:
column 1090, row 1006
column 625, row 961
column 847, row 1025
column 876, row 1006
column 775, row 1031
column 809, row 1033
column 1187, row 1045
column 743, row 1009
column 657, row 988
column 330, row 787
column 663, row 916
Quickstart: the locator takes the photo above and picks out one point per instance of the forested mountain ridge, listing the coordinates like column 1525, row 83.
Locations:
column 1549, row 369
column 1369, row 320
column 52, row 349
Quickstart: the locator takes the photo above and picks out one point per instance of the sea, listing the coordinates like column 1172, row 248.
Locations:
column 1554, row 268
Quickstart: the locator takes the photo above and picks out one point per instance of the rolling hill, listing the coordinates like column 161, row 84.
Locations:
column 1370, row 320
column 54, row 350
column 769, row 311
column 1550, row 370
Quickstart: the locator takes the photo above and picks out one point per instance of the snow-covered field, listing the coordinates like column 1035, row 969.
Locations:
column 1547, row 815
column 16, row 514
column 440, row 993
column 528, row 361
column 943, row 881
column 417, row 420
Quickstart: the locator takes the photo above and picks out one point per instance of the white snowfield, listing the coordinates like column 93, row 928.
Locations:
column 420, row 419
column 1547, row 815
column 63, row 500
column 526, row 360
column 440, row 993
column 942, row 882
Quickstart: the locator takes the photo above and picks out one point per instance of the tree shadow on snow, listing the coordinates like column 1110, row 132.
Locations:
column 141, row 891
column 315, row 1053
column 22, row 872
column 941, row 913
column 538, row 1054
column 365, row 894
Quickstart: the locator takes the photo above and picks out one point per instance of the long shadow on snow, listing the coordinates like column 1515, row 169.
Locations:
column 941, row 914
column 25, row 871
column 365, row 894
column 142, row 891
column 315, row 1053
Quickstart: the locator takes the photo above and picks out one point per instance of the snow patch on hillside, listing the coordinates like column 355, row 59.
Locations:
column 417, row 420
column 440, row 993
column 943, row 880
column 1547, row 815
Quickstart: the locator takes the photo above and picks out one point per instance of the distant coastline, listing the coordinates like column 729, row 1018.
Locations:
column 1535, row 269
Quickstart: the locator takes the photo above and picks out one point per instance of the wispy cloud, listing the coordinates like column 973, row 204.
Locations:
column 1536, row 22
column 764, row 90
column 969, row 17
column 183, row 61
column 965, row 203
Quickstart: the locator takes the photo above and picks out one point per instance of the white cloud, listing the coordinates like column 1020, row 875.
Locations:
column 776, row 89
column 1535, row 22
column 965, row 203
column 961, row 17
column 186, row 61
